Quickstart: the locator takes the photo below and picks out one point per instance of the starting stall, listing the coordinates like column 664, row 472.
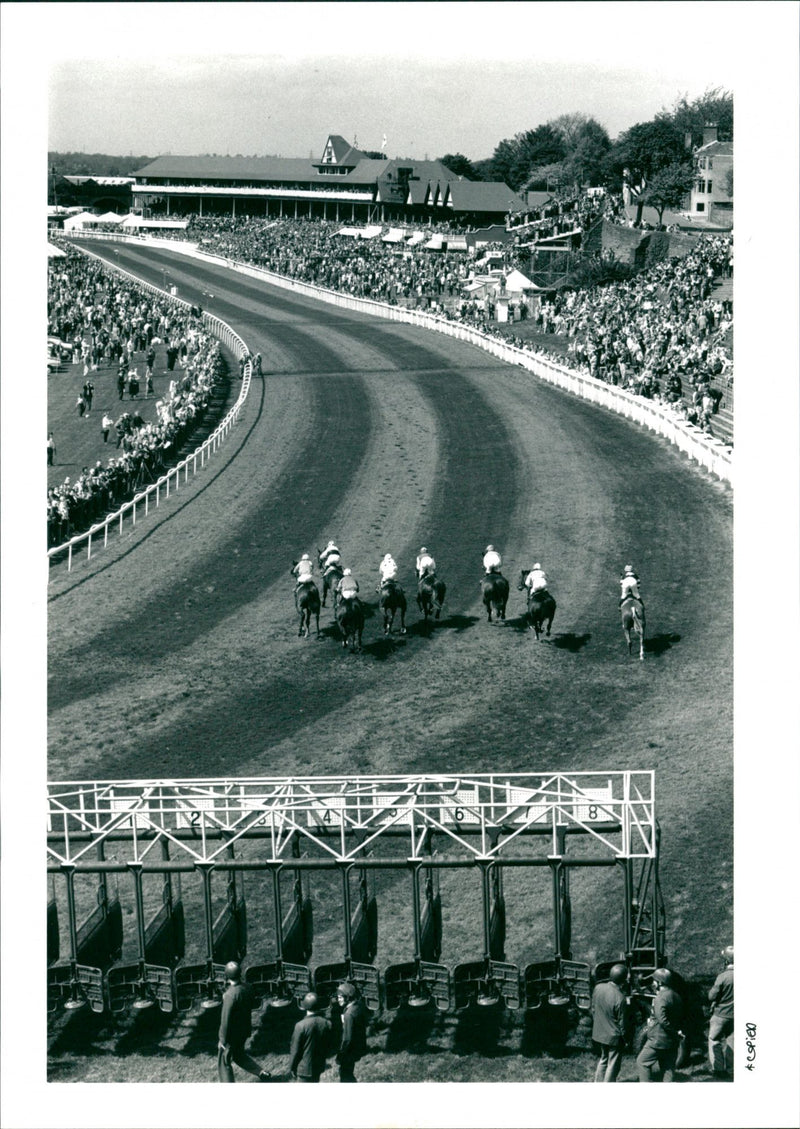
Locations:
column 138, row 842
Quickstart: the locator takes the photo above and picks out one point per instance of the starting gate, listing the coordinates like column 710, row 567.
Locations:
column 284, row 831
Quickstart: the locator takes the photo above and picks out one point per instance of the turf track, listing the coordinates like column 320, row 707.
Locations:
column 176, row 653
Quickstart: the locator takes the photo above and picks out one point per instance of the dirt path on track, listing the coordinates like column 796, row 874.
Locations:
column 177, row 654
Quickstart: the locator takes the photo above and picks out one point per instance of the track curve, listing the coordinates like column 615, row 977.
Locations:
column 180, row 656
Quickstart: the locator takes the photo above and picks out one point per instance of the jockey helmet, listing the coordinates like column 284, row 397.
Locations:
column 489, row 549
column 305, row 557
column 663, row 976
column 331, row 545
column 629, row 570
column 727, row 952
column 233, row 971
column 618, row 974
column 423, row 549
column 537, row 566
column 347, row 572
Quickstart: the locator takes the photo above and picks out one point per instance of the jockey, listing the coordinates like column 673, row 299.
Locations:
column 491, row 560
column 347, row 588
column 629, row 582
column 388, row 569
column 303, row 570
column 426, row 565
column 329, row 556
column 536, row 579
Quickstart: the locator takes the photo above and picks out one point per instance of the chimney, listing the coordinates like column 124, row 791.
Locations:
column 709, row 132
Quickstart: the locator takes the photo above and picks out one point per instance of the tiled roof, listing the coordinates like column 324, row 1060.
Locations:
column 714, row 148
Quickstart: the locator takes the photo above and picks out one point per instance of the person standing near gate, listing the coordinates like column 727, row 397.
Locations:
column 720, row 1025
column 311, row 1041
column 235, row 1026
column 663, row 1031
column 354, row 1032
column 610, row 1013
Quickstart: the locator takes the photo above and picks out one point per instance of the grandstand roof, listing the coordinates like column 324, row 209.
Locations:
column 482, row 196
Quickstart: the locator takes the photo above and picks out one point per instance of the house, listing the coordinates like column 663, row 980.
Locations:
column 713, row 162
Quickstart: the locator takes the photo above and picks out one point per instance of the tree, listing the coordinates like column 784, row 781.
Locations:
column 715, row 106
column 543, row 178
column 644, row 149
column 585, row 162
column 669, row 187
column 514, row 157
column 375, row 154
column 460, row 165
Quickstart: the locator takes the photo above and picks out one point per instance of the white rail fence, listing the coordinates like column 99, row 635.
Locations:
column 169, row 483
column 704, row 449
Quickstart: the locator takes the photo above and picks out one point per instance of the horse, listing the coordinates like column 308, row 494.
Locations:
column 330, row 578
column 541, row 606
column 494, row 587
column 350, row 618
column 307, row 601
column 430, row 595
column 633, row 621
column 392, row 600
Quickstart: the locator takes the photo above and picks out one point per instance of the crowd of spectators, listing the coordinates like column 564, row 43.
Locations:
column 109, row 319
column 567, row 211
column 661, row 327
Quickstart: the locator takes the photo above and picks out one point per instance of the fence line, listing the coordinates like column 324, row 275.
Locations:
column 170, row 482
column 704, row 449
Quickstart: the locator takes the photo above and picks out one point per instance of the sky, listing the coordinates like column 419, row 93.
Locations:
column 276, row 79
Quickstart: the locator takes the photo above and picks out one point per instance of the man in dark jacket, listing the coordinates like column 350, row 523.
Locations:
column 354, row 1032
column 311, row 1041
column 720, row 1025
column 235, row 1026
column 663, row 1032
column 610, row 1011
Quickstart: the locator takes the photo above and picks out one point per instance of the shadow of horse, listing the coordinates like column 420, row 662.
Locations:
column 384, row 647
column 571, row 642
column 658, row 644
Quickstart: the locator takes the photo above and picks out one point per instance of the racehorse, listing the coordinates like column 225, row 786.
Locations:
column 495, row 594
column 330, row 578
column 392, row 600
column 350, row 617
column 541, row 606
column 430, row 595
column 307, row 601
column 633, row 621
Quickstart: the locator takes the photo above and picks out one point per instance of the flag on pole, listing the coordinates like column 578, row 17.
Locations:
column 383, row 143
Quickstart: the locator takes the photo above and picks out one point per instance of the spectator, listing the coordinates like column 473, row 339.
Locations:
column 51, row 449
column 106, row 426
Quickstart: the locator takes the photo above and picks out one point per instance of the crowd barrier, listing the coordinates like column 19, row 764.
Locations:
column 170, row 482
column 704, row 449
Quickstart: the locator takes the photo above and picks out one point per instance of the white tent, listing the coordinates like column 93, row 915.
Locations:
column 417, row 237
column 516, row 282
column 110, row 217
column 394, row 235
column 84, row 219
